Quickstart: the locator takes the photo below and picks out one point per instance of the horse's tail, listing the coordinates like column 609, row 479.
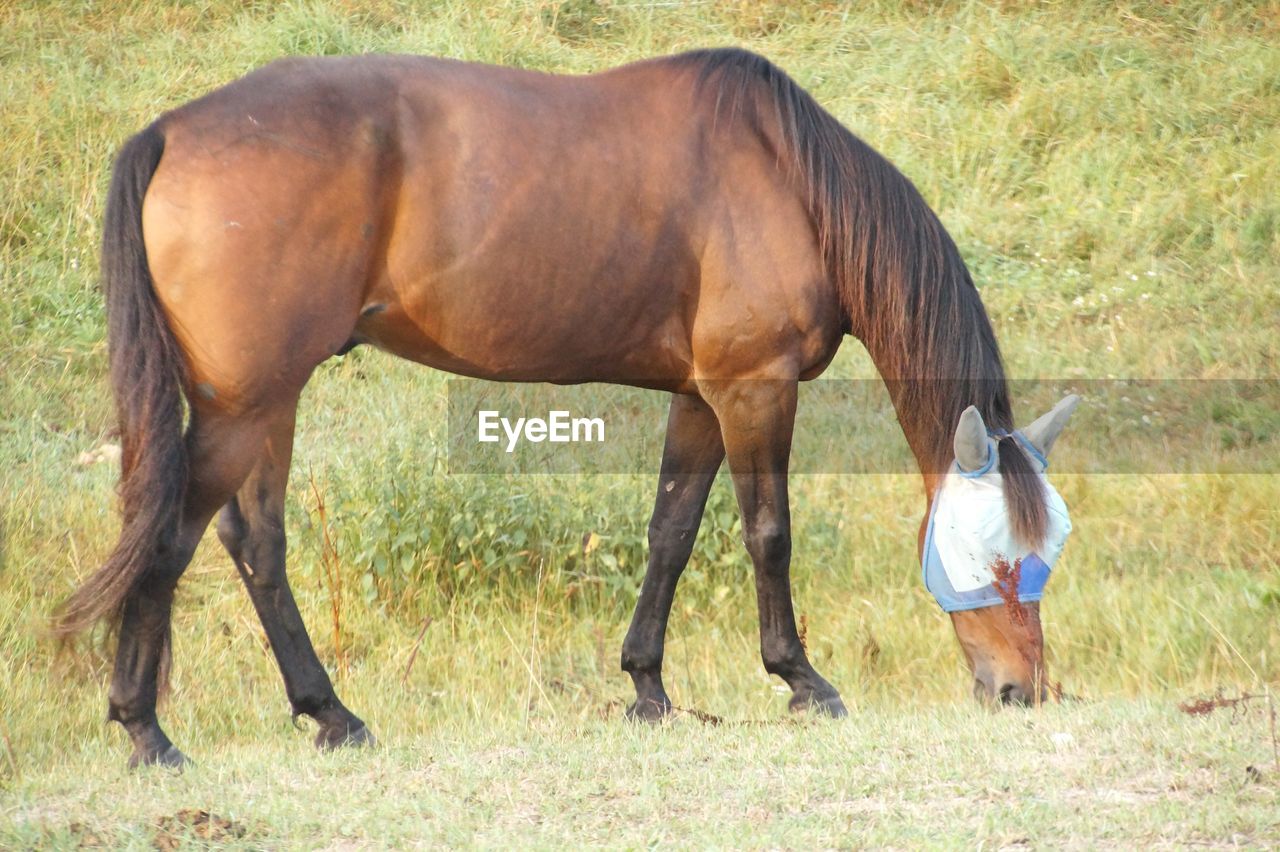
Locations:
column 148, row 378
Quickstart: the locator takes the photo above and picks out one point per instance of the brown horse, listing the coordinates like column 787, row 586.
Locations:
column 695, row 224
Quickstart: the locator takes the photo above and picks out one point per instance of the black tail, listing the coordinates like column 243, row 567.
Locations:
column 148, row 377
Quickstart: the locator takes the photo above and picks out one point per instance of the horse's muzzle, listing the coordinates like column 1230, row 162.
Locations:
column 1007, row 694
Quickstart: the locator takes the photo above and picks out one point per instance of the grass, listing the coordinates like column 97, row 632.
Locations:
column 1108, row 171
column 903, row 777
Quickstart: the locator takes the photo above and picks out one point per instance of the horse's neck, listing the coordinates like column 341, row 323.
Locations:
column 928, row 398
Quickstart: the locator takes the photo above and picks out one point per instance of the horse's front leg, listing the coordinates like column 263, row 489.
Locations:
column 690, row 459
column 757, row 418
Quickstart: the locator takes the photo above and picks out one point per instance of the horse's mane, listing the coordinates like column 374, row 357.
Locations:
column 904, row 288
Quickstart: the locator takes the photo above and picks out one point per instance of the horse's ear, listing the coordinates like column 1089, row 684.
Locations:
column 971, row 440
column 1046, row 429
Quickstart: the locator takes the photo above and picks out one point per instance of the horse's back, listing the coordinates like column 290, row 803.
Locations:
column 489, row 221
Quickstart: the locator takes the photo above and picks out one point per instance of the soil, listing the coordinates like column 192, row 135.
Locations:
column 176, row 831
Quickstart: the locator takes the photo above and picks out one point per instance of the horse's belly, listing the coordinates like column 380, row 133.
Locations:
column 574, row 334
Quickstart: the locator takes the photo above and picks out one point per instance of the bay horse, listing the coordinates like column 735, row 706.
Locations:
column 695, row 224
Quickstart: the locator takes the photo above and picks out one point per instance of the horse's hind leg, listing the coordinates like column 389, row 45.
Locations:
column 690, row 458
column 143, row 645
column 251, row 527
column 220, row 453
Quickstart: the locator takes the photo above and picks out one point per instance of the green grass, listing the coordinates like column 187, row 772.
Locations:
column 1108, row 171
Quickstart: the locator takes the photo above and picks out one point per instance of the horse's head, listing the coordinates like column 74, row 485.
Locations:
column 994, row 530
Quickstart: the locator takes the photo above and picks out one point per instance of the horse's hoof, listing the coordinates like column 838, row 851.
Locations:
column 649, row 710
column 340, row 737
column 831, row 706
column 169, row 757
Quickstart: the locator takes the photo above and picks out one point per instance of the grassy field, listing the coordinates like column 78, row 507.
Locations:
column 1109, row 171
column 907, row 776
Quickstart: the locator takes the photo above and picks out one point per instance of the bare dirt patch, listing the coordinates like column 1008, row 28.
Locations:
column 172, row 831
column 87, row 837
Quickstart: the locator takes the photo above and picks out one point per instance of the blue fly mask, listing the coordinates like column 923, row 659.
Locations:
column 970, row 535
